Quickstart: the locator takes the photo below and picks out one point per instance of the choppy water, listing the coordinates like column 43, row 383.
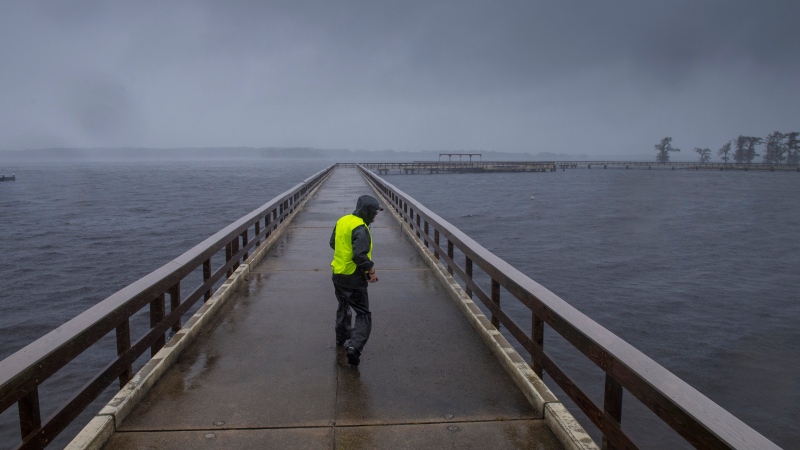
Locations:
column 696, row 269
column 699, row 270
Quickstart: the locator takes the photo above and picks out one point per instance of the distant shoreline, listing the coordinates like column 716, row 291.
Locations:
column 225, row 153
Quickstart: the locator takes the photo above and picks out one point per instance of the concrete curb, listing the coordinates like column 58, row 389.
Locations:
column 100, row 429
column 563, row 425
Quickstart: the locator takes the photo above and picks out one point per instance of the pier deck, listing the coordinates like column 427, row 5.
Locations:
column 267, row 373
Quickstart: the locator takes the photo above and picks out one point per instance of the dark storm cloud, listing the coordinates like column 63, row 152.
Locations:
column 563, row 76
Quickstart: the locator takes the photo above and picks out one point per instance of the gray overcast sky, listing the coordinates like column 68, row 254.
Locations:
column 566, row 76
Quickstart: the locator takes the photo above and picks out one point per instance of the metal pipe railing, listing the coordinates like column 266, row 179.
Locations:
column 22, row 373
column 694, row 416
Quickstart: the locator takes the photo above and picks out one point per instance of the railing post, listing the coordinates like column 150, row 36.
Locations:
column 156, row 316
column 417, row 227
column 206, row 277
column 426, row 233
column 537, row 336
column 468, row 270
column 450, row 255
column 244, row 244
column 30, row 417
column 123, row 345
column 175, row 303
column 258, row 232
column 235, row 250
column 228, row 254
column 496, row 301
column 436, row 241
column 612, row 404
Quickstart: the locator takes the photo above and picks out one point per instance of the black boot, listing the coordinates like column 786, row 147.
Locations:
column 353, row 356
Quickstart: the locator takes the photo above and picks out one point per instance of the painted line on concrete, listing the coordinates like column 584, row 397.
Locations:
column 306, row 427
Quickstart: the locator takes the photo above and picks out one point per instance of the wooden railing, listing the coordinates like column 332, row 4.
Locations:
column 22, row 373
column 696, row 418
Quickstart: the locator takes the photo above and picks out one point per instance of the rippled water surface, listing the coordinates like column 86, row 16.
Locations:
column 699, row 270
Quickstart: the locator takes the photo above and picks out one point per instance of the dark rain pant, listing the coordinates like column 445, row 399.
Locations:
column 351, row 292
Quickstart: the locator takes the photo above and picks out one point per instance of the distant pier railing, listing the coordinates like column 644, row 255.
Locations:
column 22, row 373
column 5, row 178
column 696, row 418
column 432, row 167
column 676, row 165
column 419, row 167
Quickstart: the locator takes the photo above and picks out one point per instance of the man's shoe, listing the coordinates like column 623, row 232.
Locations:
column 353, row 356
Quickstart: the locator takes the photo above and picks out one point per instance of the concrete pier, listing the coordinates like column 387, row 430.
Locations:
column 267, row 374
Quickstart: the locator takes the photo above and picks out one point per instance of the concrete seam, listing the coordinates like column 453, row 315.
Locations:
column 104, row 424
column 562, row 423
column 95, row 434
column 570, row 432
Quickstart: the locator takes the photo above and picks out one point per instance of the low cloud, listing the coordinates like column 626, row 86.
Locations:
column 514, row 76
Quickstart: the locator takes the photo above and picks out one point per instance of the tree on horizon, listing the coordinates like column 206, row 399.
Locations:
column 775, row 148
column 723, row 152
column 705, row 154
column 745, row 151
column 663, row 148
column 792, row 148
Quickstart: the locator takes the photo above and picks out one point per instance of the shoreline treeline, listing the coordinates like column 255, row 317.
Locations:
column 778, row 148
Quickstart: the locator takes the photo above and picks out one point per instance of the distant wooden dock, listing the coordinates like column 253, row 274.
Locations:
column 5, row 178
column 432, row 167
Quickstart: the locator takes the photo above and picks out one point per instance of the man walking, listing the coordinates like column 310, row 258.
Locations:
column 353, row 268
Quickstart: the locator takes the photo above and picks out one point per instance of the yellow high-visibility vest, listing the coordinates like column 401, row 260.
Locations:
column 343, row 253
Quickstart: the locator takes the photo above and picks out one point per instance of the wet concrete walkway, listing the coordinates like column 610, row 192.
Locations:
column 267, row 373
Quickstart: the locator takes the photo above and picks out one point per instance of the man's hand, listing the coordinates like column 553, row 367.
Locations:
column 371, row 276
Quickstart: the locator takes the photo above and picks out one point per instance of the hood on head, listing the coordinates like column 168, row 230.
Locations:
column 367, row 207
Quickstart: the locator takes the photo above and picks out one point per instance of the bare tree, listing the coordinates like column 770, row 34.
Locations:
column 663, row 148
column 723, row 152
column 705, row 154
